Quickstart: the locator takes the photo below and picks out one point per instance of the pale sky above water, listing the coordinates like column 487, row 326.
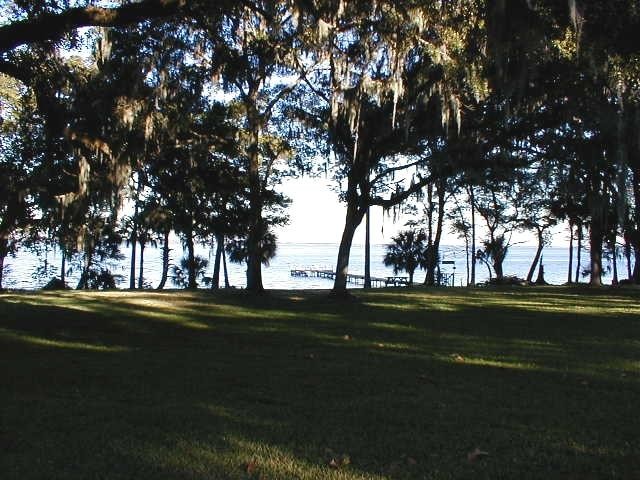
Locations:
column 316, row 216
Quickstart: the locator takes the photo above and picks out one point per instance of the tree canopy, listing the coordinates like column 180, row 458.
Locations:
column 197, row 110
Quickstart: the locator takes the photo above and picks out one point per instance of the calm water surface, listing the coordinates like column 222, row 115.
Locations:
column 22, row 269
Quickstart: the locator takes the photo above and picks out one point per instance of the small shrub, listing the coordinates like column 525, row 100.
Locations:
column 509, row 280
column 102, row 280
column 55, row 284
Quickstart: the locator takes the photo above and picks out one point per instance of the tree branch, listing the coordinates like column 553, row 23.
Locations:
column 391, row 170
column 52, row 26
column 19, row 72
column 288, row 89
column 281, row 94
column 304, row 75
column 397, row 198
column 91, row 143
column 243, row 94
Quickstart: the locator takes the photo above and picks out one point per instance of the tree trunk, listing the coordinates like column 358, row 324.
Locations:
column 141, row 275
column 63, row 268
column 636, row 239
column 627, row 257
column 83, row 283
column 579, row 251
column 191, row 260
column 2, row 257
column 488, row 265
column 134, row 240
column 224, row 267
column 536, row 258
column 367, row 250
column 256, row 222
column 570, row 272
column 498, row 254
column 46, row 259
column 595, row 244
column 165, row 261
column 433, row 250
column 596, row 204
column 540, row 280
column 472, row 200
column 466, row 249
column 439, row 224
column 497, row 267
column 353, row 219
column 431, row 257
column 132, row 272
column 254, row 261
column 614, row 254
column 215, row 280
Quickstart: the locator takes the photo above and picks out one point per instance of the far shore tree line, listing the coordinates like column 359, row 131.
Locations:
column 160, row 117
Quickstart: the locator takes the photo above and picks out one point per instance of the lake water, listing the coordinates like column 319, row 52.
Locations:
column 20, row 271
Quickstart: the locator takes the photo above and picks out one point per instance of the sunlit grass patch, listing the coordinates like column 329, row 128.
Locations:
column 33, row 340
column 394, row 327
column 456, row 358
column 67, row 301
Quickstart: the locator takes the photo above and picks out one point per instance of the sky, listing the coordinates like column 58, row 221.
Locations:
column 316, row 216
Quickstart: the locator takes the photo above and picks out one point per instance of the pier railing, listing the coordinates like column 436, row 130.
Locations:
column 394, row 281
column 443, row 280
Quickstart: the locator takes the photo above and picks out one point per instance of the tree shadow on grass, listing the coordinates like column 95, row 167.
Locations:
column 208, row 384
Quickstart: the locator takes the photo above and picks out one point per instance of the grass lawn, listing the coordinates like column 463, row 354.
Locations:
column 398, row 384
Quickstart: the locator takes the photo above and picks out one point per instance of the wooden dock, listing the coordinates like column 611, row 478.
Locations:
column 351, row 278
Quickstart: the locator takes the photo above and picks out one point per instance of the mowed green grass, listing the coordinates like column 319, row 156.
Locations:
column 394, row 384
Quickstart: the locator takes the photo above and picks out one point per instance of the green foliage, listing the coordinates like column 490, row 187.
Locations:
column 495, row 251
column 208, row 108
column 101, row 280
column 55, row 284
column 239, row 253
column 181, row 273
column 407, row 252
